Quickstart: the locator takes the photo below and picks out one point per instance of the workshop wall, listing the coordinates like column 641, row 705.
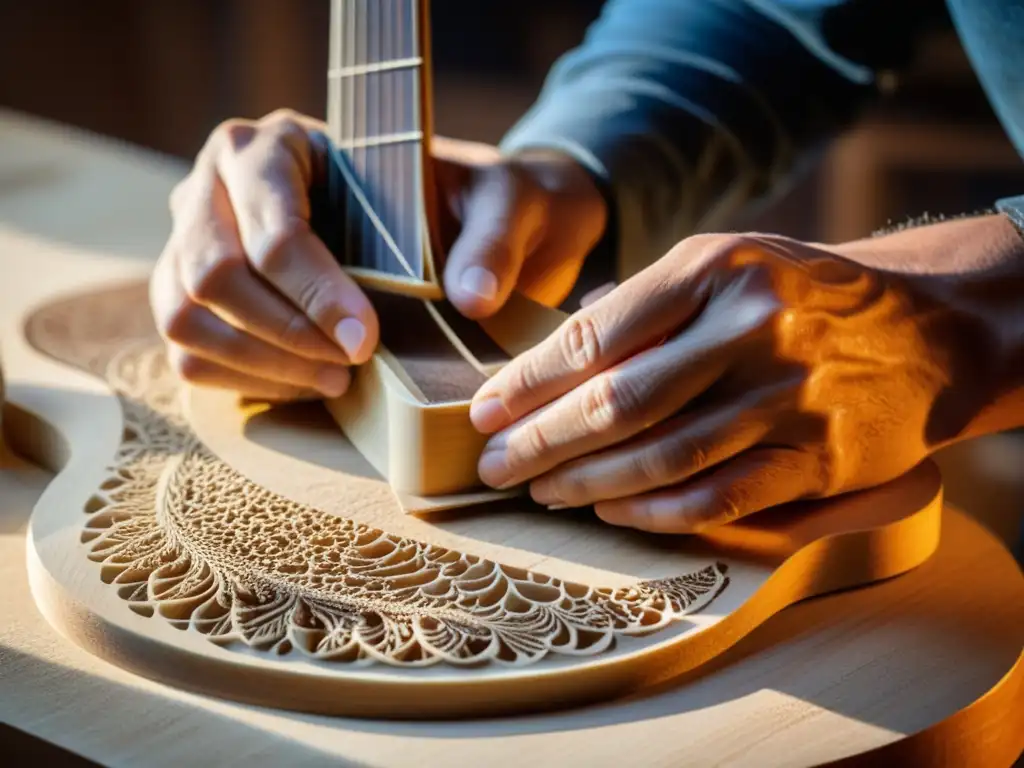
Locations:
column 163, row 73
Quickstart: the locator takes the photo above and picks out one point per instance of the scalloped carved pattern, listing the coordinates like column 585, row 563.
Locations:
column 183, row 537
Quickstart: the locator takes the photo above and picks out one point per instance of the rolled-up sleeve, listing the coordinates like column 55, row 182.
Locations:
column 685, row 110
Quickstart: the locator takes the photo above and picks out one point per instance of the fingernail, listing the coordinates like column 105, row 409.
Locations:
column 556, row 507
column 351, row 334
column 480, row 282
column 488, row 415
column 332, row 382
column 493, row 469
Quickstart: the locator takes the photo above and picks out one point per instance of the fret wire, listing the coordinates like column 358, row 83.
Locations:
column 376, row 66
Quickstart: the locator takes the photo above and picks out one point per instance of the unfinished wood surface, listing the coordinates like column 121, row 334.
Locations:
column 898, row 665
column 919, row 670
column 161, row 555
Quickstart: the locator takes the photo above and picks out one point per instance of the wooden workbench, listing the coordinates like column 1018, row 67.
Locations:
column 927, row 666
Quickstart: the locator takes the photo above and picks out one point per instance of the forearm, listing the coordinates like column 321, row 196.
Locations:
column 689, row 109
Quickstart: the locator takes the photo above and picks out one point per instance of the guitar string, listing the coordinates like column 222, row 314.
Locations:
column 411, row 155
column 387, row 176
column 347, row 102
column 375, row 55
column 399, row 51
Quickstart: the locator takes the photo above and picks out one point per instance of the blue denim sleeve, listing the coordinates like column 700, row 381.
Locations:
column 686, row 110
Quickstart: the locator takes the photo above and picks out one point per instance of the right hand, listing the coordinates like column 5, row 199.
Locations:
column 248, row 298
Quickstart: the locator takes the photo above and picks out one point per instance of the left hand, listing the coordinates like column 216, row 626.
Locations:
column 735, row 374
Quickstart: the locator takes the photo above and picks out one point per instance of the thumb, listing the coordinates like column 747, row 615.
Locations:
column 502, row 218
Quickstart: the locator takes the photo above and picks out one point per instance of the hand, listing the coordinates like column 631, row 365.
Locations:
column 525, row 222
column 249, row 299
column 742, row 372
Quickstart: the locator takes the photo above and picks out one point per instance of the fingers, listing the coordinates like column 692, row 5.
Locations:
column 206, row 349
column 214, row 271
column 666, row 455
column 614, row 405
column 205, row 373
column 751, row 482
column 634, row 316
column 502, row 219
column 266, row 173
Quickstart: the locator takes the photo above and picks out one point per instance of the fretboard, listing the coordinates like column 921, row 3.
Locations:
column 374, row 113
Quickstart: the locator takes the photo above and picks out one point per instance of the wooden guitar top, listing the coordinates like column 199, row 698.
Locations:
column 166, row 548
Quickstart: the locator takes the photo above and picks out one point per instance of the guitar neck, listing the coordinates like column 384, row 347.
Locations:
column 378, row 115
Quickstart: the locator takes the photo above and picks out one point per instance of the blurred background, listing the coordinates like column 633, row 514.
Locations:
column 163, row 73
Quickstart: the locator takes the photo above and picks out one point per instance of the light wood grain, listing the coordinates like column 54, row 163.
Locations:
column 839, row 676
column 157, row 552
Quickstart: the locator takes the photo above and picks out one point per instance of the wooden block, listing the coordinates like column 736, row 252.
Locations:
column 407, row 411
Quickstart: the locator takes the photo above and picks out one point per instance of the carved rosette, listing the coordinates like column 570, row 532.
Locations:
column 186, row 539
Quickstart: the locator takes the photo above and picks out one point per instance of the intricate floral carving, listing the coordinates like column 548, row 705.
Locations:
column 180, row 534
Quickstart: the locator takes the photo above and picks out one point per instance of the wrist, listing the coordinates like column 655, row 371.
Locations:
column 965, row 281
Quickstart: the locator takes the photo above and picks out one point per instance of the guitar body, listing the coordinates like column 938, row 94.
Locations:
column 254, row 554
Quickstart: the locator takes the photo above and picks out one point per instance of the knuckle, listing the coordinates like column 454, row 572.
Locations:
column 573, row 490
column 275, row 253
column 295, row 332
column 645, row 518
column 286, row 129
column 189, row 367
column 723, row 505
column 283, row 116
column 287, row 126
column 180, row 325
column 696, row 459
column 522, row 378
column 530, row 442
column 314, row 298
column 712, row 249
column 580, row 343
column 235, row 134
column 665, row 464
column 725, row 246
column 207, row 278
column 656, row 466
column 611, row 402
